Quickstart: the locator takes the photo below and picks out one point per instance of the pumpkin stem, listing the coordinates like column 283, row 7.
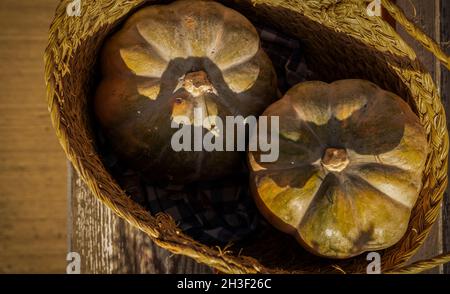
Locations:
column 196, row 83
column 335, row 159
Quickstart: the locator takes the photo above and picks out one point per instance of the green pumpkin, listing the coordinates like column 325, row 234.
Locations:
column 351, row 157
column 167, row 60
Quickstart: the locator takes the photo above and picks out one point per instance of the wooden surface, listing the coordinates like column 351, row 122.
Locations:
column 107, row 244
column 124, row 249
column 33, row 211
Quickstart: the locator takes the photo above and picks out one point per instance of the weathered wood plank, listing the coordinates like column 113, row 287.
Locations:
column 427, row 16
column 32, row 164
column 445, row 93
column 108, row 244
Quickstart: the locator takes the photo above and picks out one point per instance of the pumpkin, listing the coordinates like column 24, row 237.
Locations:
column 169, row 62
column 349, row 169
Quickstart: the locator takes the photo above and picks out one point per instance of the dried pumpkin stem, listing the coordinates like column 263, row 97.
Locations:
column 196, row 83
column 335, row 159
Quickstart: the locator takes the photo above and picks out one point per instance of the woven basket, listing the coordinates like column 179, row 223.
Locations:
column 341, row 42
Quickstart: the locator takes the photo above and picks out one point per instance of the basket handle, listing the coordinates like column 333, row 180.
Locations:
column 422, row 265
column 416, row 32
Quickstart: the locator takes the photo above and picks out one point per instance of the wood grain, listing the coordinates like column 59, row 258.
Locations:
column 33, row 214
column 426, row 14
column 108, row 244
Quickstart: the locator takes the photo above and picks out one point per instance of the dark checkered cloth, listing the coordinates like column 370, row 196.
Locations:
column 222, row 211
column 287, row 58
column 217, row 211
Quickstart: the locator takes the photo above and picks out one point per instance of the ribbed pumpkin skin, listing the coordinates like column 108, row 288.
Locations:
column 167, row 60
column 349, row 169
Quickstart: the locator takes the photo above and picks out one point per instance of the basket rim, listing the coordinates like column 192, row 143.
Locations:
column 151, row 225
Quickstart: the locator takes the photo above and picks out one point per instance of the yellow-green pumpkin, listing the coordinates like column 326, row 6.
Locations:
column 167, row 60
column 351, row 156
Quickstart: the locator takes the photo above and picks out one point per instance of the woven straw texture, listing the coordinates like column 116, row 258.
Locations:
column 342, row 41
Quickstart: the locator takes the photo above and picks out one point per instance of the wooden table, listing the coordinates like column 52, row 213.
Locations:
column 32, row 163
column 107, row 244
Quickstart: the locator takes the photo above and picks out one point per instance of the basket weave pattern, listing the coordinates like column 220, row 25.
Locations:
column 341, row 41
